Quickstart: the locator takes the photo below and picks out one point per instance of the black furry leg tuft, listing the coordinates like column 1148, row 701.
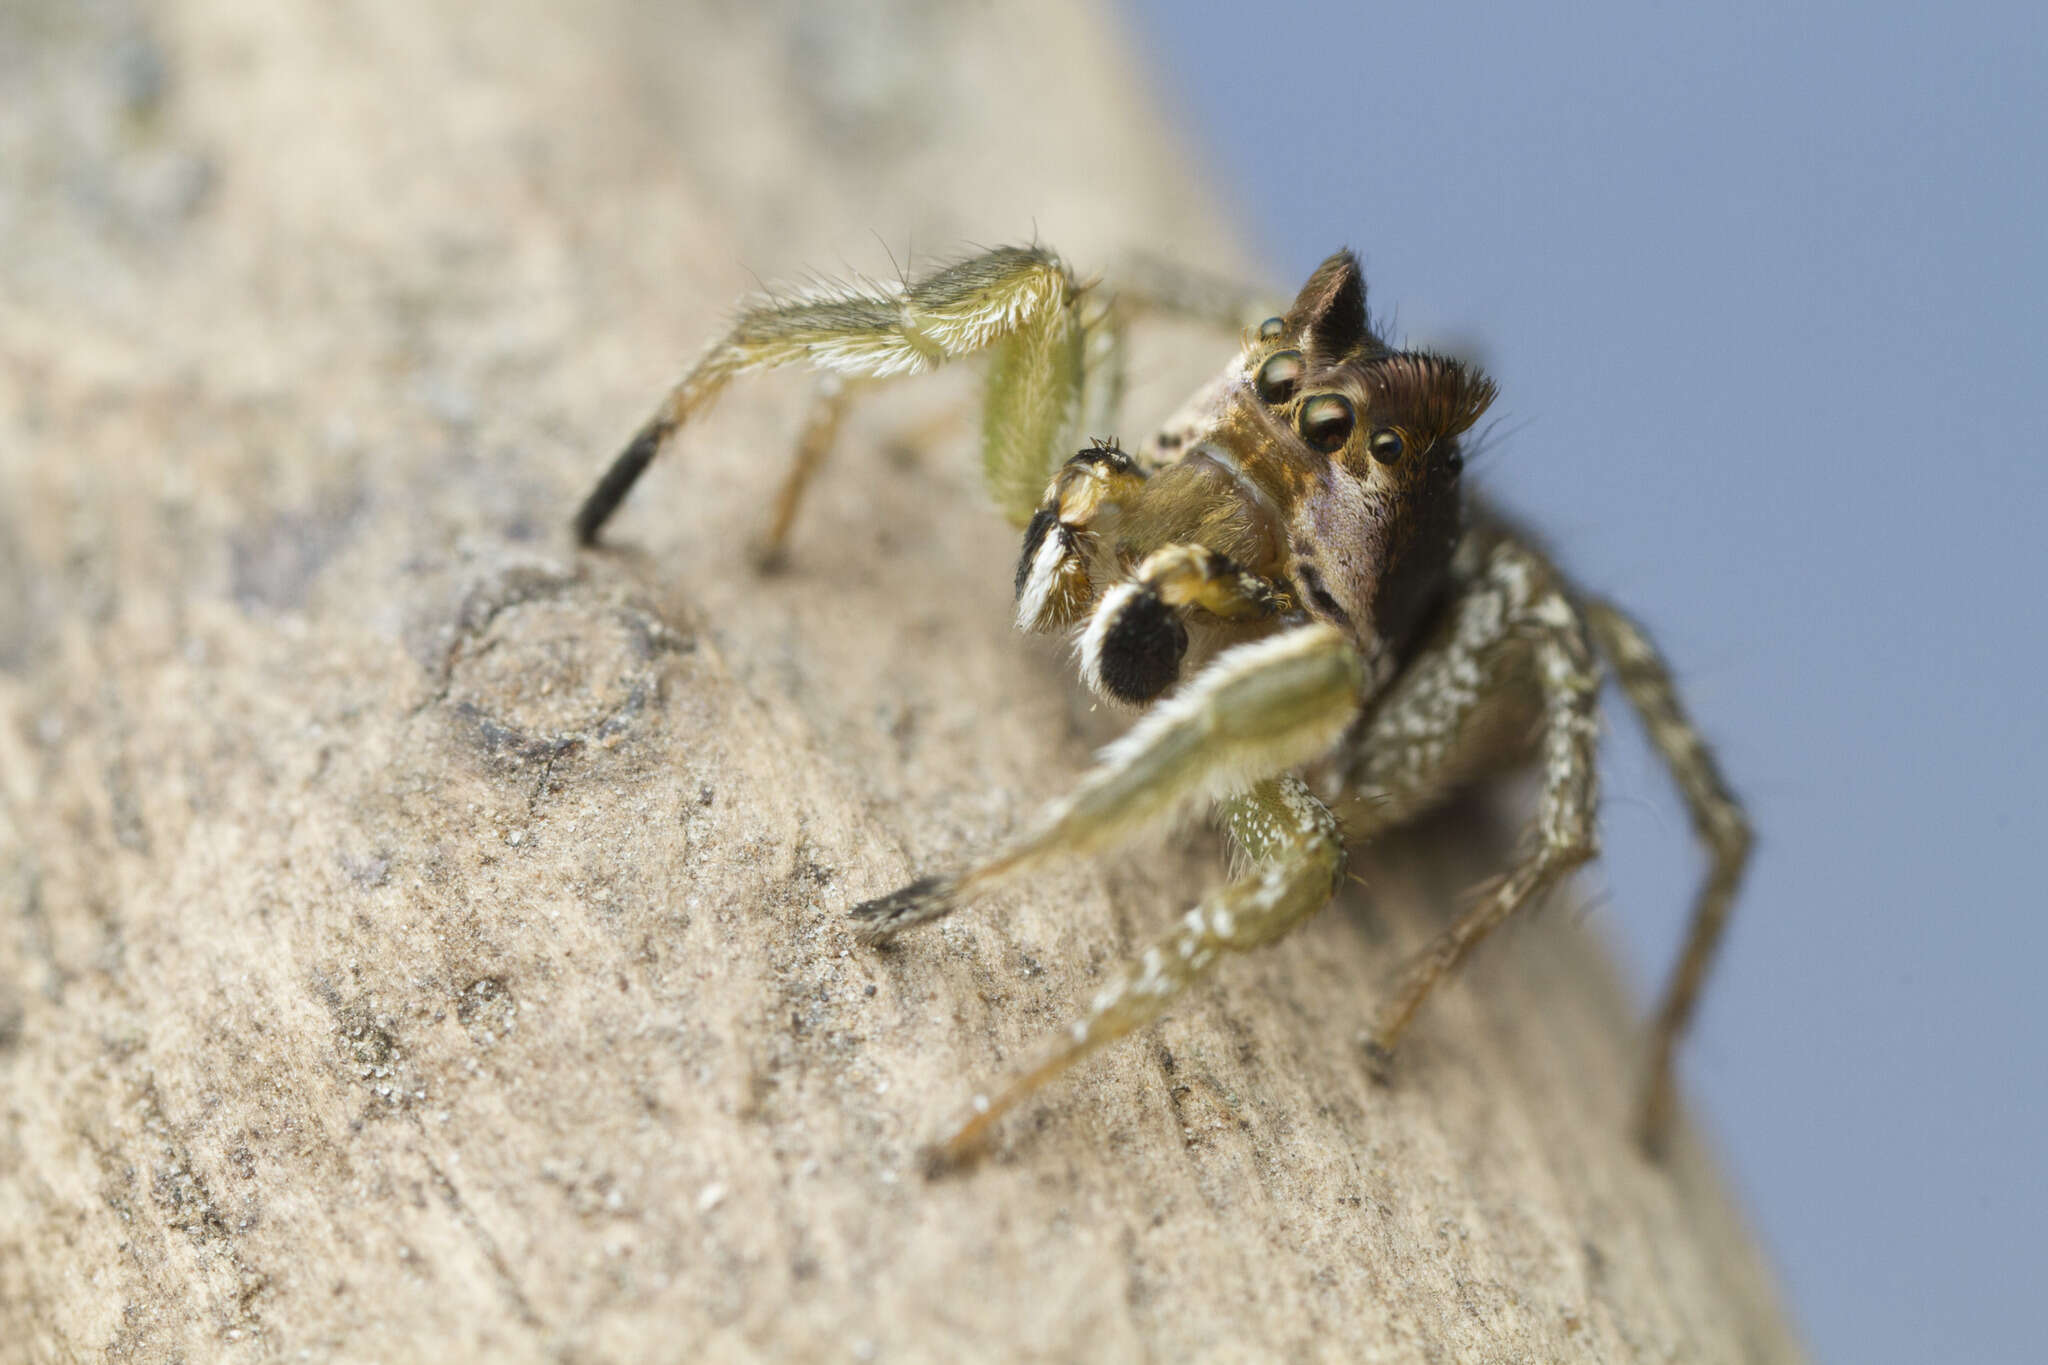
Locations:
column 618, row 481
column 1141, row 648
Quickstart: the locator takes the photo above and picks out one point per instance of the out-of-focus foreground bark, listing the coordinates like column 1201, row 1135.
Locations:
column 425, row 941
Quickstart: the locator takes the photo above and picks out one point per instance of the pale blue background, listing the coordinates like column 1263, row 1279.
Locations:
column 1764, row 289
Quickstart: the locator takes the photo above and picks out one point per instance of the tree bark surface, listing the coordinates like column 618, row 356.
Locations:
column 424, row 940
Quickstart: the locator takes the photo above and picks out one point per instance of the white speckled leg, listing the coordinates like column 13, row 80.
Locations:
column 1562, row 835
column 1716, row 818
column 1297, row 855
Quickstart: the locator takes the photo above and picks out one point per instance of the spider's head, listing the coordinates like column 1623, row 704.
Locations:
column 1318, row 475
column 1341, row 453
column 1383, row 520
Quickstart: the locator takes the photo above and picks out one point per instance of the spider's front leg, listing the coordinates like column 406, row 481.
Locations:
column 1258, row 710
column 1018, row 302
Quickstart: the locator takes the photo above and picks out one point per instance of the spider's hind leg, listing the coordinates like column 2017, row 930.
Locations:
column 1514, row 631
column 1716, row 818
column 1020, row 302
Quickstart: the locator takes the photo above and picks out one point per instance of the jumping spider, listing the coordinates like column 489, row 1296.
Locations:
column 1370, row 638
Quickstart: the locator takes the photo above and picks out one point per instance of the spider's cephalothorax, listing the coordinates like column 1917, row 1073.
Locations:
column 1327, row 637
column 1316, row 479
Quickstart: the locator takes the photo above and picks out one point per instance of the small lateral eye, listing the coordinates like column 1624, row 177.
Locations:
column 1278, row 376
column 1386, row 445
column 1271, row 328
column 1326, row 422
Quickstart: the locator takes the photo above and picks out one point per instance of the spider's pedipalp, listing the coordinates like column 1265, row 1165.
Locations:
column 1053, row 584
column 1297, row 863
column 1194, row 577
column 1132, row 649
column 1055, row 577
column 1133, row 646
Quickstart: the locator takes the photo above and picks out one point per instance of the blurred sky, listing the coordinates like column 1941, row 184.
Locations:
column 1764, row 288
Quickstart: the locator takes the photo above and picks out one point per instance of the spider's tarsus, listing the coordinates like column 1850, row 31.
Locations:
column 618, row 481
column 886, row 916
column 1653, row 1122
column 966, row 1140
column 938, row 1160
column 1379, row 1061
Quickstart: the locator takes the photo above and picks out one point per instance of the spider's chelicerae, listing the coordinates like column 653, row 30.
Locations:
column 1367, row 637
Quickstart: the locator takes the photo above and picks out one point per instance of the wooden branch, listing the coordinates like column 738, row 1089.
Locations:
column 425, row 941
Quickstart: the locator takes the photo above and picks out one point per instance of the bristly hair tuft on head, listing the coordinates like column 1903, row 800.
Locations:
column 1428, row 392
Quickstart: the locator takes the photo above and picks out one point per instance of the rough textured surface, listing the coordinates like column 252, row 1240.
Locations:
column 422, row 940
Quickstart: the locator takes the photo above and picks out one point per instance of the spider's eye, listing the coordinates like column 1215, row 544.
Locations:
column 1326, row 422
column 1278, row 376
column 1386, row 445
column 1271, row 328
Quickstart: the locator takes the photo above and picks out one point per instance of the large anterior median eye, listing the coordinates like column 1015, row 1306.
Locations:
column 1326, row 422
column 1278, row 376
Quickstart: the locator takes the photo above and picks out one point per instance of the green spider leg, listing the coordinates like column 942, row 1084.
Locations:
column 1019, row 304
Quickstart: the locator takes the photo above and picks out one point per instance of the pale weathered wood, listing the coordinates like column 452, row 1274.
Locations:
column 423, row 941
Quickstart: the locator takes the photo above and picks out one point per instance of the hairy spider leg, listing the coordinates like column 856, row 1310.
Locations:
column 1148, row 285
column 830, row 400
column 1717, row 820
column 1017, row 302
column 1257, row 710
column 1516, row 615
column 1296, row 854
column 1105, row 361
